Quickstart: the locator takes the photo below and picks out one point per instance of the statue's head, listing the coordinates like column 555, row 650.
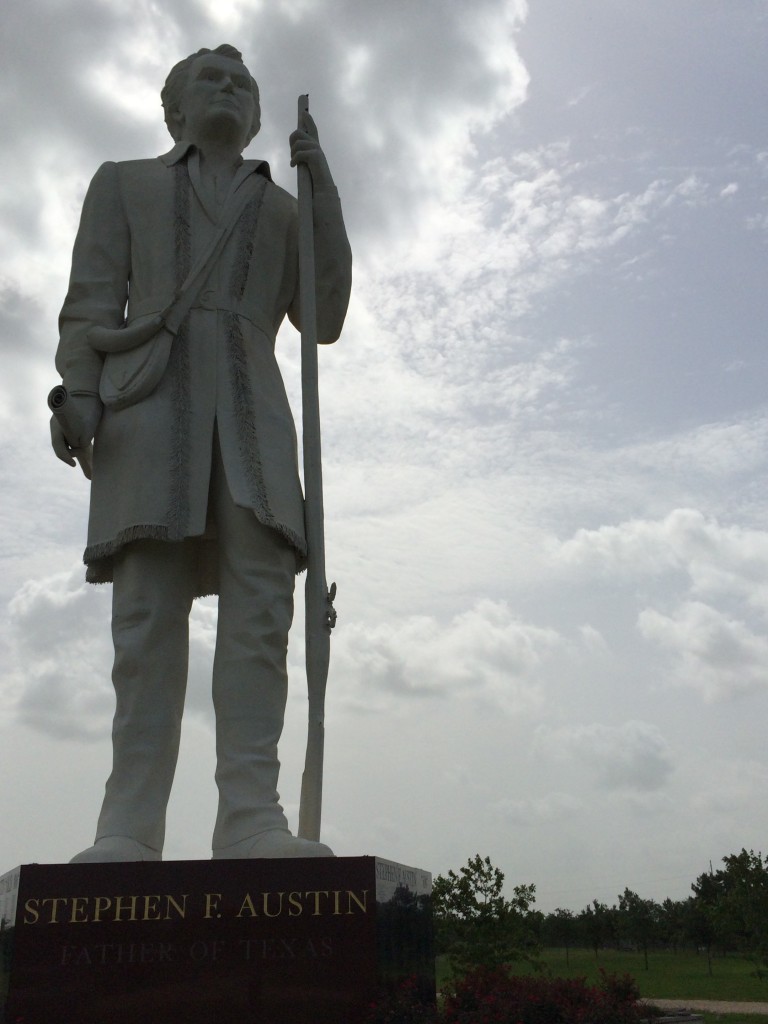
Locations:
column 189, row 70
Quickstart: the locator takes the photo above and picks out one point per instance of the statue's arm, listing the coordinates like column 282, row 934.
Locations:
column 97, row 294
column 333, row 256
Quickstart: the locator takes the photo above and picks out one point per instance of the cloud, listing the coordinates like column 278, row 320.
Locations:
column 732, row 788
column 531, row 812
column 717, row 559
column 713, row 654
column 61, row 657
column 634, row 756
column 485, row 654
column 713, row 450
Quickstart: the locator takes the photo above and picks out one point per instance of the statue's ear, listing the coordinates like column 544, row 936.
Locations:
column 255, row 123
column 177, row 120
column 174, row 122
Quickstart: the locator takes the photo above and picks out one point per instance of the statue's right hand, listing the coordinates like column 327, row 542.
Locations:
column 85, row 411
column 59, row 443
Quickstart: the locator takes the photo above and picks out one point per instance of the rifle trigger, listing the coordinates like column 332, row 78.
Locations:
column 331, row 611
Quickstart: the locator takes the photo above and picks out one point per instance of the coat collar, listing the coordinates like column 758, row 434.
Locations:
column 181, row 149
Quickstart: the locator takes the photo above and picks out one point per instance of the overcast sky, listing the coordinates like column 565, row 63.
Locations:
column 544, row 438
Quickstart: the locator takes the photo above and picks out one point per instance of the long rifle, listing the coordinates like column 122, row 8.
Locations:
column 320, row 616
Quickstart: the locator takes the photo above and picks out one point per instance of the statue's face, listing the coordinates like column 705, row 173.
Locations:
column 217, row 100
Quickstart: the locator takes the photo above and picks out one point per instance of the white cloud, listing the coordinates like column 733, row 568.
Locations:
column 61, row 657
column 716, row 559
column 529, row 813
column 713, row 654
column 485, row 654
column 730, row 789
column 632, row 756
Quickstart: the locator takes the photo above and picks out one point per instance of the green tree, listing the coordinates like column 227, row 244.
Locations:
column 734, row 902
column 598, row 924
column 639, row 921
column 475, row 924
column 560, row 930
column 674, row 920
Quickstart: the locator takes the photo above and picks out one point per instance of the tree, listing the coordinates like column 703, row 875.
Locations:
column 597, row 921
column 734, row 903
column 674, row 922
column 475, row 924
column 560, row 930
column 639, row 920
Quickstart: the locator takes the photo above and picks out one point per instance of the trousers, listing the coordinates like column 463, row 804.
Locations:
column 151, row 603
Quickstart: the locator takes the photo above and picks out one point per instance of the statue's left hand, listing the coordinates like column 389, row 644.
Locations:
column 305, row 149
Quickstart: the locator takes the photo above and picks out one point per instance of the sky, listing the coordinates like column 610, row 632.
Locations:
column 544, row 429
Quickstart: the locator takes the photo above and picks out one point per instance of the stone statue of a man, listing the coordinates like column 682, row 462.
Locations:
column 195, row 486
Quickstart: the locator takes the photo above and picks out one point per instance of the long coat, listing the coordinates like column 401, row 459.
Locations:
column 143, row 225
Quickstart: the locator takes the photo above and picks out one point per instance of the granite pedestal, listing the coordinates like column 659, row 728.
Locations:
column 304, row 941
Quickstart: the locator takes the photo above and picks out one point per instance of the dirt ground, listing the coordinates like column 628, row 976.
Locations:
column 711, row 1005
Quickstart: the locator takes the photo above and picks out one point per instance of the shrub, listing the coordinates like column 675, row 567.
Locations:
column 403, row 1007
column 497, row 997
column 494, row 996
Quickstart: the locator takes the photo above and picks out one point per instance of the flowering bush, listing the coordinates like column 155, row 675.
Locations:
column 404, row 1007
column 494, row 996
column 497, row 997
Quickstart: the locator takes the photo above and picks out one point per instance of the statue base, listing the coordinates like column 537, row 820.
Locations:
column 214, row 942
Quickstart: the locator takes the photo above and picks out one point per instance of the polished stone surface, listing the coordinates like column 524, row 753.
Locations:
column 298, row 941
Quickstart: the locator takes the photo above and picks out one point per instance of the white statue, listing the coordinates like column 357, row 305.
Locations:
column 183, row 270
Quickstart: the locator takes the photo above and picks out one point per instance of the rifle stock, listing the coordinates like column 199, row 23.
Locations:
column 319, row 615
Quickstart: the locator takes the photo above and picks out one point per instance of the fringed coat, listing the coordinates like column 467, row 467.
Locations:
column 143, row 225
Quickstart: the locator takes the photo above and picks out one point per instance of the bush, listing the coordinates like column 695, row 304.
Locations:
column 497, row 997
column 494, row 996
column 404, row 1007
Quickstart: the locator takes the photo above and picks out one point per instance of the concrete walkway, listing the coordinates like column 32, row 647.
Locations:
column 710, row 1005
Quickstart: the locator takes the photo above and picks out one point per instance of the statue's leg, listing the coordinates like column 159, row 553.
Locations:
column 256, row 580
column 152, row 597
column 250, row 680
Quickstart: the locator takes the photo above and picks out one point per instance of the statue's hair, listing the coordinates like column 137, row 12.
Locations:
column 176, row 83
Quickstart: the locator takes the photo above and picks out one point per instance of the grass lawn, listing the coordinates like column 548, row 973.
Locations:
column 680, row 975
column 735, row 1018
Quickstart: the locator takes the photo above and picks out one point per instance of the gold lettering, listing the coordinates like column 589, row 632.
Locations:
column 295, row 909
column 336, row 909
column 130, row 907
column 212, row 904
column 363, row 904
column 247, row 905
column 79, row 906
column 180, row 908
column 31, row 913
column 66, row 953
column 101, row 903
column 151, row 908
column 317, row 893
column 265, row 903
column 54, row 901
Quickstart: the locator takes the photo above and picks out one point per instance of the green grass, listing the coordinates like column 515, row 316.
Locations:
column 680, row 975
column 735, row 1018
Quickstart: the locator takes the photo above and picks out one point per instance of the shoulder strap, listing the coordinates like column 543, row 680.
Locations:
column 122, row 339
column 181, row 303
